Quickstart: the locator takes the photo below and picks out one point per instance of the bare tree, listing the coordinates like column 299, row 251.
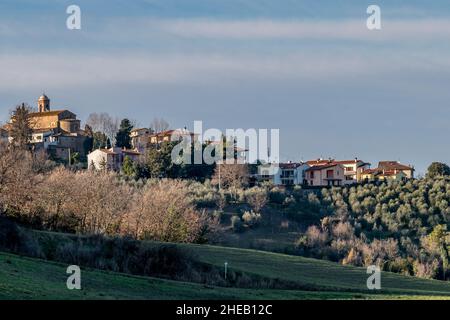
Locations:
column 164, row 212
column 257, row 198
column 111, row 128
column 159, row 125
column 94, row 122
column 17, row 180
column 231, row 176
column 104, row 123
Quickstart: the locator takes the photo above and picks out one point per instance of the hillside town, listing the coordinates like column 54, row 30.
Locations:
column 58, row 133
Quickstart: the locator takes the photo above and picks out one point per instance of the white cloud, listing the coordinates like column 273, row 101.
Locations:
column 127, row 30
column 59, row 70
column 339, row 29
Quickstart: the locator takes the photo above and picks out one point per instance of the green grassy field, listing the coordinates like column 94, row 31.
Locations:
column 312, row 278
column 26, row 278
column 313, row 274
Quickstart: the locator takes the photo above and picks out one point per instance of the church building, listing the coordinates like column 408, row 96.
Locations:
column 57, row 131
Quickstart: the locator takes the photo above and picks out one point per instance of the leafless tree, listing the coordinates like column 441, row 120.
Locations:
column 159, row 125
column 17, row 180
column 104, row 123
column 231, row 176
column 163, row 211
column 257, row 198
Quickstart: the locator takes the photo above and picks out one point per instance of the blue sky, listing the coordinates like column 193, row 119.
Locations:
column 309, row 68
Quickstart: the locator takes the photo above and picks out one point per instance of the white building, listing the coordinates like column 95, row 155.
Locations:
column 283, row 174
column 110, row 159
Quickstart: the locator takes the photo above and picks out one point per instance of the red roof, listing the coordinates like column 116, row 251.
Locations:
column 321, row 167
column 328, row 161
column 393, row 165
column 319, row 162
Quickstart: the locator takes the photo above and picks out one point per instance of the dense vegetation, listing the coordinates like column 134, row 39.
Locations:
column 401, row 227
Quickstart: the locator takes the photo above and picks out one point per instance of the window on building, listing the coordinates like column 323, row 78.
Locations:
column 330, row 173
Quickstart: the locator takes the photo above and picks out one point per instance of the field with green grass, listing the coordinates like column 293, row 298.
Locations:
column 26, row 278
column 313, row 274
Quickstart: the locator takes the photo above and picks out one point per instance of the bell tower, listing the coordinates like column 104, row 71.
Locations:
column 43, row 103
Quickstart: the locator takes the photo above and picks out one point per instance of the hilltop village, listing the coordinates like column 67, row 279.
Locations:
column 59, row 134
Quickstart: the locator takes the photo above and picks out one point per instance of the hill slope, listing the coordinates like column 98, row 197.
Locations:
column 304, row 274
column 26, row 278
column 314, row 274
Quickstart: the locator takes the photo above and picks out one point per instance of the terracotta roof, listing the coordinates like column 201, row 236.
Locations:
column 371, row 171
column 139, row 129
column 321, row 167
column 393, row 165
column 319, row 162
column 349, row 161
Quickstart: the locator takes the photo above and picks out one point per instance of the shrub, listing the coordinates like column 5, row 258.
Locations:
column 256, row 198
column 251, row 218
column 236, row 224
column 14, row 239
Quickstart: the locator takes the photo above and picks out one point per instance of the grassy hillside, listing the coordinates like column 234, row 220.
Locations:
column 302, row 273
column 26, row 278
column 312, row 273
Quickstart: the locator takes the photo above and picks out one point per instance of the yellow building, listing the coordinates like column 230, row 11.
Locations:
column 378, row 174
column 56, row 131
column 61, row 120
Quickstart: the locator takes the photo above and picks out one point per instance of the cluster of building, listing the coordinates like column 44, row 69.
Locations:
column 331, row 172
column 59, row 133
column 141, row 140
